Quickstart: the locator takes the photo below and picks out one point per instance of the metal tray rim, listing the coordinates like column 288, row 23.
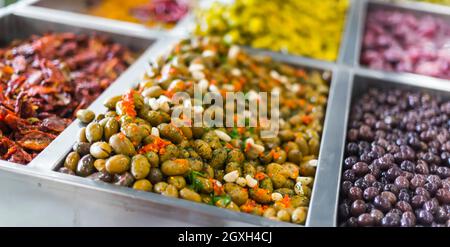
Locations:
column 96, row 107
column 408, row 6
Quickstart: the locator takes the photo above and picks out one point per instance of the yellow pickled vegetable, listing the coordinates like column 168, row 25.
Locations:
column 443, row 2
column 307, row 27
column 149, row 12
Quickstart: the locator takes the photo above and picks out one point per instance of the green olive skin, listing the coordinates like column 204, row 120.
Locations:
column 118, row 164
column 85, row 116
column 94, row 132
column 175, row 167
column 112, row 127
column 110, row 103
column 122, row 145
column 100, row 150
column 140, row 167
column 190, row 195
column 71, row 161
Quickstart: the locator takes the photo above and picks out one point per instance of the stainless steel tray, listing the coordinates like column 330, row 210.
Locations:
column 80, row 9
column 64, row 143
column 20, row 26
column 418, row 8
column 360, row 81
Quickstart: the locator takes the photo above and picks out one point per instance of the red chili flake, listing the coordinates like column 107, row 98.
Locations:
column 156, row 146
column 248, row 206
column 286, row 201
column 128, row 103
column 260, row 176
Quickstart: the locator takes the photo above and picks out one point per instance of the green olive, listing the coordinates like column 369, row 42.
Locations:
column 238, row 194
column 140, row 167
column 218, row 175
column 286, row 135
column 152, row 92
column 178, row 181
column 233, row 166
column 274, row 171
column 270, row 213
column 219, row 156
column 198, row 132
column 285, row 191
column 160, row 187
column 281, row 157
column 82, row 135
column 295, row 156
column 171, row 151
column 261, row 195
column 266, row 183
column 99, row 118
column 314, row 146
column 266, row 157
column 100, row 164
column 85, row 166
column 125, row 179
column 206, row 185
column 125, row 119
column 283, row 215
column 85, row 116
column 303, row 145
column 111, row 114
column 170, row 191
column 306, row 169
column 290, row 169
column 299, row 215
column 71, row 161
column 155, row 175
column 233, row 206
column 203, row 149
column 190, row 195
column 299, row 201
column 175, row 167
column 249, row 169
column 100, row 150
column 111, row 127
column 82, row 148
column 143, row 184
column 170, row 132
column 208, row 171
column 195, row 164
column 103, row 122
column 118, row 164
column 122, row 145
column 94, row 132
column 157, row 117
column 153, row 158
column 133, row 132
column 235, row 155
column 111, row 102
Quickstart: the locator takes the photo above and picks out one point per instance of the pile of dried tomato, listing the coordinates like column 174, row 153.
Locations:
column 44, row 80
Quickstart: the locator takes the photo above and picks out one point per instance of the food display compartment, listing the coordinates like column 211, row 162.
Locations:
column 63, row 145
column 80, row 9
column 15, row 26
column 360, row 81
column 354, row 51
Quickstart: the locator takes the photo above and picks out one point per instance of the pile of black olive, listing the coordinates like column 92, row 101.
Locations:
column 396, row 170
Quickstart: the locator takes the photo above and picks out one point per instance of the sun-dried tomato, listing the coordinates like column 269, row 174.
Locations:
column 44, row 80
